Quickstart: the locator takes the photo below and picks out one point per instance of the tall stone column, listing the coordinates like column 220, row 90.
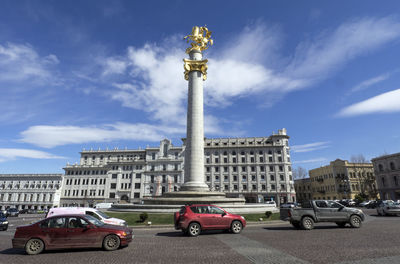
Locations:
column 195, row 72
column 194, row 151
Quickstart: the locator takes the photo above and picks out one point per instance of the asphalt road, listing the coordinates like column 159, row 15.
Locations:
column 376, row 242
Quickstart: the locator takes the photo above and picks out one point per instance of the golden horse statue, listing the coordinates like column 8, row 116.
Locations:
column 201, row 39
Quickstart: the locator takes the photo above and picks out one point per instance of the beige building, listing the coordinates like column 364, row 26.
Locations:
column 343, row 180
column 303, row 189
column 387, row 173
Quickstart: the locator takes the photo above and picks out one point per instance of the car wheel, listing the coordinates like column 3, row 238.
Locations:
column 355, row 221
column 296, row 225
column 236, row 227
column 111, row 242
column 341, row 224
column 34, row 246
column 194, row 229
column 307, row 223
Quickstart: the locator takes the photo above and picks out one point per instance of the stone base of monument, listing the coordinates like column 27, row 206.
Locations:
column 172, row 202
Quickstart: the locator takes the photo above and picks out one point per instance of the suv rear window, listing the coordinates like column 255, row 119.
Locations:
column 183, row 210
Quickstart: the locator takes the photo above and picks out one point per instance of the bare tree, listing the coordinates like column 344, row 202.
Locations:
column 300, row 173
column 358, row 159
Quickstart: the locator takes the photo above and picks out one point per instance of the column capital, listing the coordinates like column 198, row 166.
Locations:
column 195, row 65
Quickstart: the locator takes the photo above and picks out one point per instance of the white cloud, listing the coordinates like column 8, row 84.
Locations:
column 247, row 64
column 367, row 83
column 52, row 136
column 310, row 147
column 20, row 62
column 7, row 154
column 319, row 58
column 317, row 160
column 384, row 103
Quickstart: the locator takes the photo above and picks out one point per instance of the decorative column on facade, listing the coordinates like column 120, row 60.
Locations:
column 195, row 72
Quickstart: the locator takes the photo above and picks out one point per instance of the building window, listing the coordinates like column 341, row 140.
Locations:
column 272, row 177
column 263, row 187
column 281, row 177
column 113, row 186
column 392, row 167
column 114, row 176
column 112, row 195
column 272, row 186
column 383, row 181
column 137, row 185
column 395, row 180
column 244, row 187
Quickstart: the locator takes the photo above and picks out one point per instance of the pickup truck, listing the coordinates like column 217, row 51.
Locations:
column 315, row 211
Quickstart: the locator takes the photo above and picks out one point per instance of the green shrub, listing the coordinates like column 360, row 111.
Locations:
column 268, row 214
column 143, row 217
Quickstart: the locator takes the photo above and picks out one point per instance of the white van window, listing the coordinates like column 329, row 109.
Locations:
column 93, row 214
column 103, row 214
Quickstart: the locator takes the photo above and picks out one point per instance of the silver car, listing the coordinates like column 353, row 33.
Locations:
column 388, row 208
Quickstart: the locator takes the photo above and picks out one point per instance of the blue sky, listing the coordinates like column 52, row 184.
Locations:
column 98, row 74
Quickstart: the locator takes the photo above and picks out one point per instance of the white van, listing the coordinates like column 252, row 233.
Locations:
column 89, row 211
column 103, row 205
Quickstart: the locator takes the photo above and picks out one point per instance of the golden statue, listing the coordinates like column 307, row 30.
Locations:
column 201, row 39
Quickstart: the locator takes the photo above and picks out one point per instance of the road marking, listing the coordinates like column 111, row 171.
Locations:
column 256, row 252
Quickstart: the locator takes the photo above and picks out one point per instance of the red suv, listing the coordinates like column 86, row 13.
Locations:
column 192, row 219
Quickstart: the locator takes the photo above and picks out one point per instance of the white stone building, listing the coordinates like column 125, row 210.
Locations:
column 30, row 191
column 122, row 175
column 258, row 168
column 387, row 173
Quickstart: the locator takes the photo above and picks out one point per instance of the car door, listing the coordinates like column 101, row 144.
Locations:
column 219, row 219
column 79, row 234
column 54, row 232
column 203, row 216
column 338, row 213
column 322, row 211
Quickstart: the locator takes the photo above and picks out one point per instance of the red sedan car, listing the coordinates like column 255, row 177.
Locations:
column 70, row 231
column 192, row 219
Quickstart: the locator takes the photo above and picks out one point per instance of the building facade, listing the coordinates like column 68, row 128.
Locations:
column 257, row 168
column 387, row 173
column 30, row 191
column 343, row 180
column 303, row 189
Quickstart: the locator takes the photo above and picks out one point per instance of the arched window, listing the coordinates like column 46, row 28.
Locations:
column 380, row 166
column 392, row 167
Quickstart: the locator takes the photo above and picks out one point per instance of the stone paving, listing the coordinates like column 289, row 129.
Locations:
column 376, row 242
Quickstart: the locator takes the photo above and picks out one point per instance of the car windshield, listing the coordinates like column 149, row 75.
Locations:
column 94, row 221
column 102, row 214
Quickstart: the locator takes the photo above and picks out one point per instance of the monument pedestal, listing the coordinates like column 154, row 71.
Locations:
column 189, row 197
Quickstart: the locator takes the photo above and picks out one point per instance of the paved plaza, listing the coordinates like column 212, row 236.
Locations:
column 376, row 242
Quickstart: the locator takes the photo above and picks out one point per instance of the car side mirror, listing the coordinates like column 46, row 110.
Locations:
column 341, row 208
column 223, row 214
